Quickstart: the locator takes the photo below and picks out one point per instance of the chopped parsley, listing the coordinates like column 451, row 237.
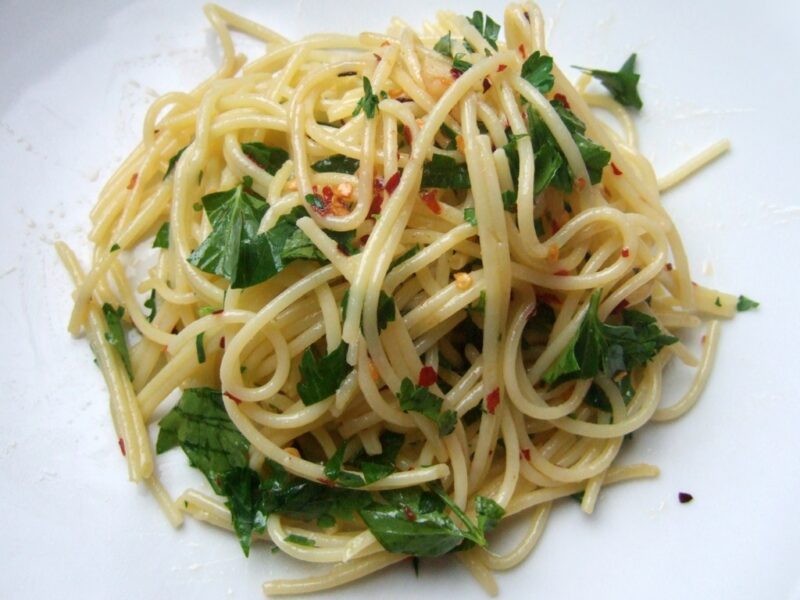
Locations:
column 162, row 236
column 443, row 171
column 338, row 163
column 321, row 377
column 744, row 304
column 486, row 27
column 622, row 84
column 268, row 158
column 420, row 399
column 368, row 103
column 116, row 335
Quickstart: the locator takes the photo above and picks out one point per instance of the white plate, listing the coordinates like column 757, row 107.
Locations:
column 75, row 84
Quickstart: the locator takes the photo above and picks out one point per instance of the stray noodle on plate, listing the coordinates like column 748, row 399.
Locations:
column 405, row 284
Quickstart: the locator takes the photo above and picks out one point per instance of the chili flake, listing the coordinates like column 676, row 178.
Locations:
column 427, row 376
column 492, row 401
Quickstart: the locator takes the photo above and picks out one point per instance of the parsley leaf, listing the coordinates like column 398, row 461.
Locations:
column 242, row 486
column 369, row 103
column 162, row 236
column 173, row 161
column 405, row 256
column 200, row 425
column 443, row 171
column 333, row 469
column 537, row 70
column 116, row 335
column 419, row 399
column 300, row 540
column 268, row 158
column 745, row 304
column 337, row 163
column 320, row 378
column 459, row 64
column 486, row 27
column 381, row 465
column 200, row 347
column 622, row 84
column 611, row 349
column 444, row 46
column 235, row 215
column 150, row 303
column 386, row 308
column 469, row 216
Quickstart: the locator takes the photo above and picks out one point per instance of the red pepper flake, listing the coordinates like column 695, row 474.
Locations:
column 525, row 453
column 427, row 376
column 363, row 239
column 132, row 182
column 232, row 397
column 385, row 43
column 615, row 169
column 327, row 194
column 668, row 267
column 377, row 196
column 527, row 16
column 219, row 311
column 501, row 68
column 409, row 514
column 521, row 49
column 619, row 307
column 326, row 481
column 563, row 99
column 492, row 400
column 684, row 497
column 487, row 85
column 429, row 199
column 625, row 252
column 407, row 134
column 121, row 443
column 377, row 56
column 561, row 273
column 222, row 342
column 455, row 73
column 391, row 185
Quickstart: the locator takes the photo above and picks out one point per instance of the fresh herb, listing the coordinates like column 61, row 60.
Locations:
column 386, row 308
column 114, row 248
column 369, row 103
column 326, row 522
column 338, row 163
column 537, row 70
column 162, row 236
column 405, row 256
column 489, row 513
column 382, row 465
column 235, row 250
column 486, row 27
column 744, row 303
column 420, row 399
column 622, row 84
column 445, row 45
column 450, row 135
column 717, row 302
column 510, row 201
column 207, row 310
column 300, row 540
column 611, row 349
column 200, row 347
column 443, row 171
column 150, row 304
column 320, row 378
column 174, row 160
column 235, row 215
column 469, row 216
column 116, row 335
column 268, row 158
column 479, row 306
column 459, row 64
column 333, row 469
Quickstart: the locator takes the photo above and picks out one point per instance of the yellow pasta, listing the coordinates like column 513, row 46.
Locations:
column 399, row 239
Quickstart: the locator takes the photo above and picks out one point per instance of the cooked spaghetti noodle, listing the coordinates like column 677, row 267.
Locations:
column 422, row 286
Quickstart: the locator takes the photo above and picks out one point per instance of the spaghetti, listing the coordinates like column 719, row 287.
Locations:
column 405, row 283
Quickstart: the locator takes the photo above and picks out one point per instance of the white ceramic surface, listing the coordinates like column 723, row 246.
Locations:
column 76, row 79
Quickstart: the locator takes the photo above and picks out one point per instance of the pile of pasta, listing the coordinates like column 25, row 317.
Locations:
column 352, row 252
